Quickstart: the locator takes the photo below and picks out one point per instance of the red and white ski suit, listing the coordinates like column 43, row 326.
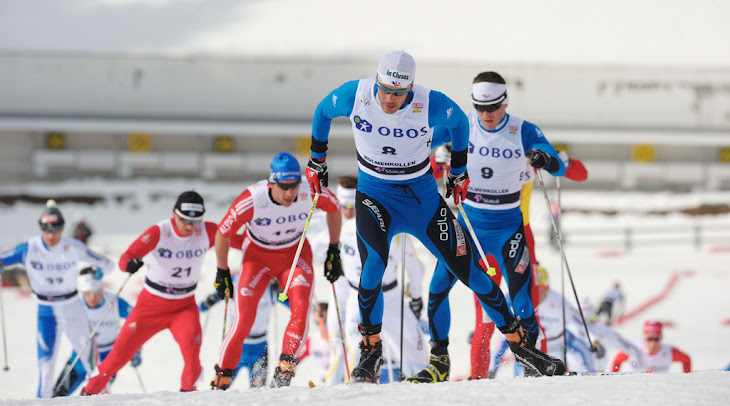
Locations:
column 269, row 245
column 173, row 264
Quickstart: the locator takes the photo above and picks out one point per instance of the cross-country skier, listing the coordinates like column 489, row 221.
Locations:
column 393, row 121
column 274, row 212
column 255, row 350
column 52, row 262
column 173, row 250
column 611, row 297
column 656, row 356
column 414, row 344
column 484, row 328
column 499, row 147
column 95, row 301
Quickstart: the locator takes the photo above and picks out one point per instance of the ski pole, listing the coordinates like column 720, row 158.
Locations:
column 342, row 333
column 402, row 296
column 225, row 314
column 491, row 271
column 565, row 260
column 2, row 314
column 562, row 280
column 282, row 295
column 139, row 379
column 70, row 368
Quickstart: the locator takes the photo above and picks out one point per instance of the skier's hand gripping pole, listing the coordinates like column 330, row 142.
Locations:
column 282, row 295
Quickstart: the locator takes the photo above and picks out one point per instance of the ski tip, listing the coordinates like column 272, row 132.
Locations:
column 311, row 384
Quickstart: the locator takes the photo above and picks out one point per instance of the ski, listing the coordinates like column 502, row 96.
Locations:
column 569, row 373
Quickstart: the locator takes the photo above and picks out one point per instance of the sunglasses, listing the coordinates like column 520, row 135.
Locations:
column 490, row 108
column 653, row 338
column 396, row 92
column 287, row 186
column 347, row 206
column 190, row 222
column 51, row 228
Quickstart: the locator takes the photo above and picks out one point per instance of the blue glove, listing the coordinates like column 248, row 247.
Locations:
column 137, row 359
column 98, row 274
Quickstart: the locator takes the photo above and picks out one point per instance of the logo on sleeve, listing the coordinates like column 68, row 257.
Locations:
column 362, row 124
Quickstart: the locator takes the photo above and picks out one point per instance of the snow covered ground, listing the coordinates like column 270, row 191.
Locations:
column 698, row 306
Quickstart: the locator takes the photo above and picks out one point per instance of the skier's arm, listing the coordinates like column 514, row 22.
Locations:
column 13, row 256
column 239, row 214
column 211, row 228
column 443, row 112
column 329, row 203
column 534, row 139
column 141, row 246
column 338, row 103
column 103, row 263
column 576, row 171
column 679, row 356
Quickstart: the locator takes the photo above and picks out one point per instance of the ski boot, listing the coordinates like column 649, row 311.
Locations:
column 222, row 380
column 439, row 365
column 526, row 353
column 284, row 371
column 371, row 355
column 259, row 370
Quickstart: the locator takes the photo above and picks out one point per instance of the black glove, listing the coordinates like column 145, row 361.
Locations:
column 333, row 263
column 134, row 265
column 598, row 349
column 417, row 306
column 223, row 283
column 457, row 184
column 538, row 158
column 317, row 175
column 209, row 301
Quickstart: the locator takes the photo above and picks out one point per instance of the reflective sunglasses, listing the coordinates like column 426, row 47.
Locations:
column 287, row 186
column 397, row 92
column 51, row 227
column 347, row 206
column 190, row 222
column 653, row 338
column 490, row 108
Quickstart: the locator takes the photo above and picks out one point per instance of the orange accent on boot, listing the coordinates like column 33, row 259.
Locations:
column 518, row 336
column 370, row 341
column 287, row 366
column 221, row 382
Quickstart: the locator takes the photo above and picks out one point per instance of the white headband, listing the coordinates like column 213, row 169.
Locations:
column 88, row 284
column 486, row 93
column 346, row 196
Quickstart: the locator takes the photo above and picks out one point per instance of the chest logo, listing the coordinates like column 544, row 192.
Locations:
column 362, row 124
